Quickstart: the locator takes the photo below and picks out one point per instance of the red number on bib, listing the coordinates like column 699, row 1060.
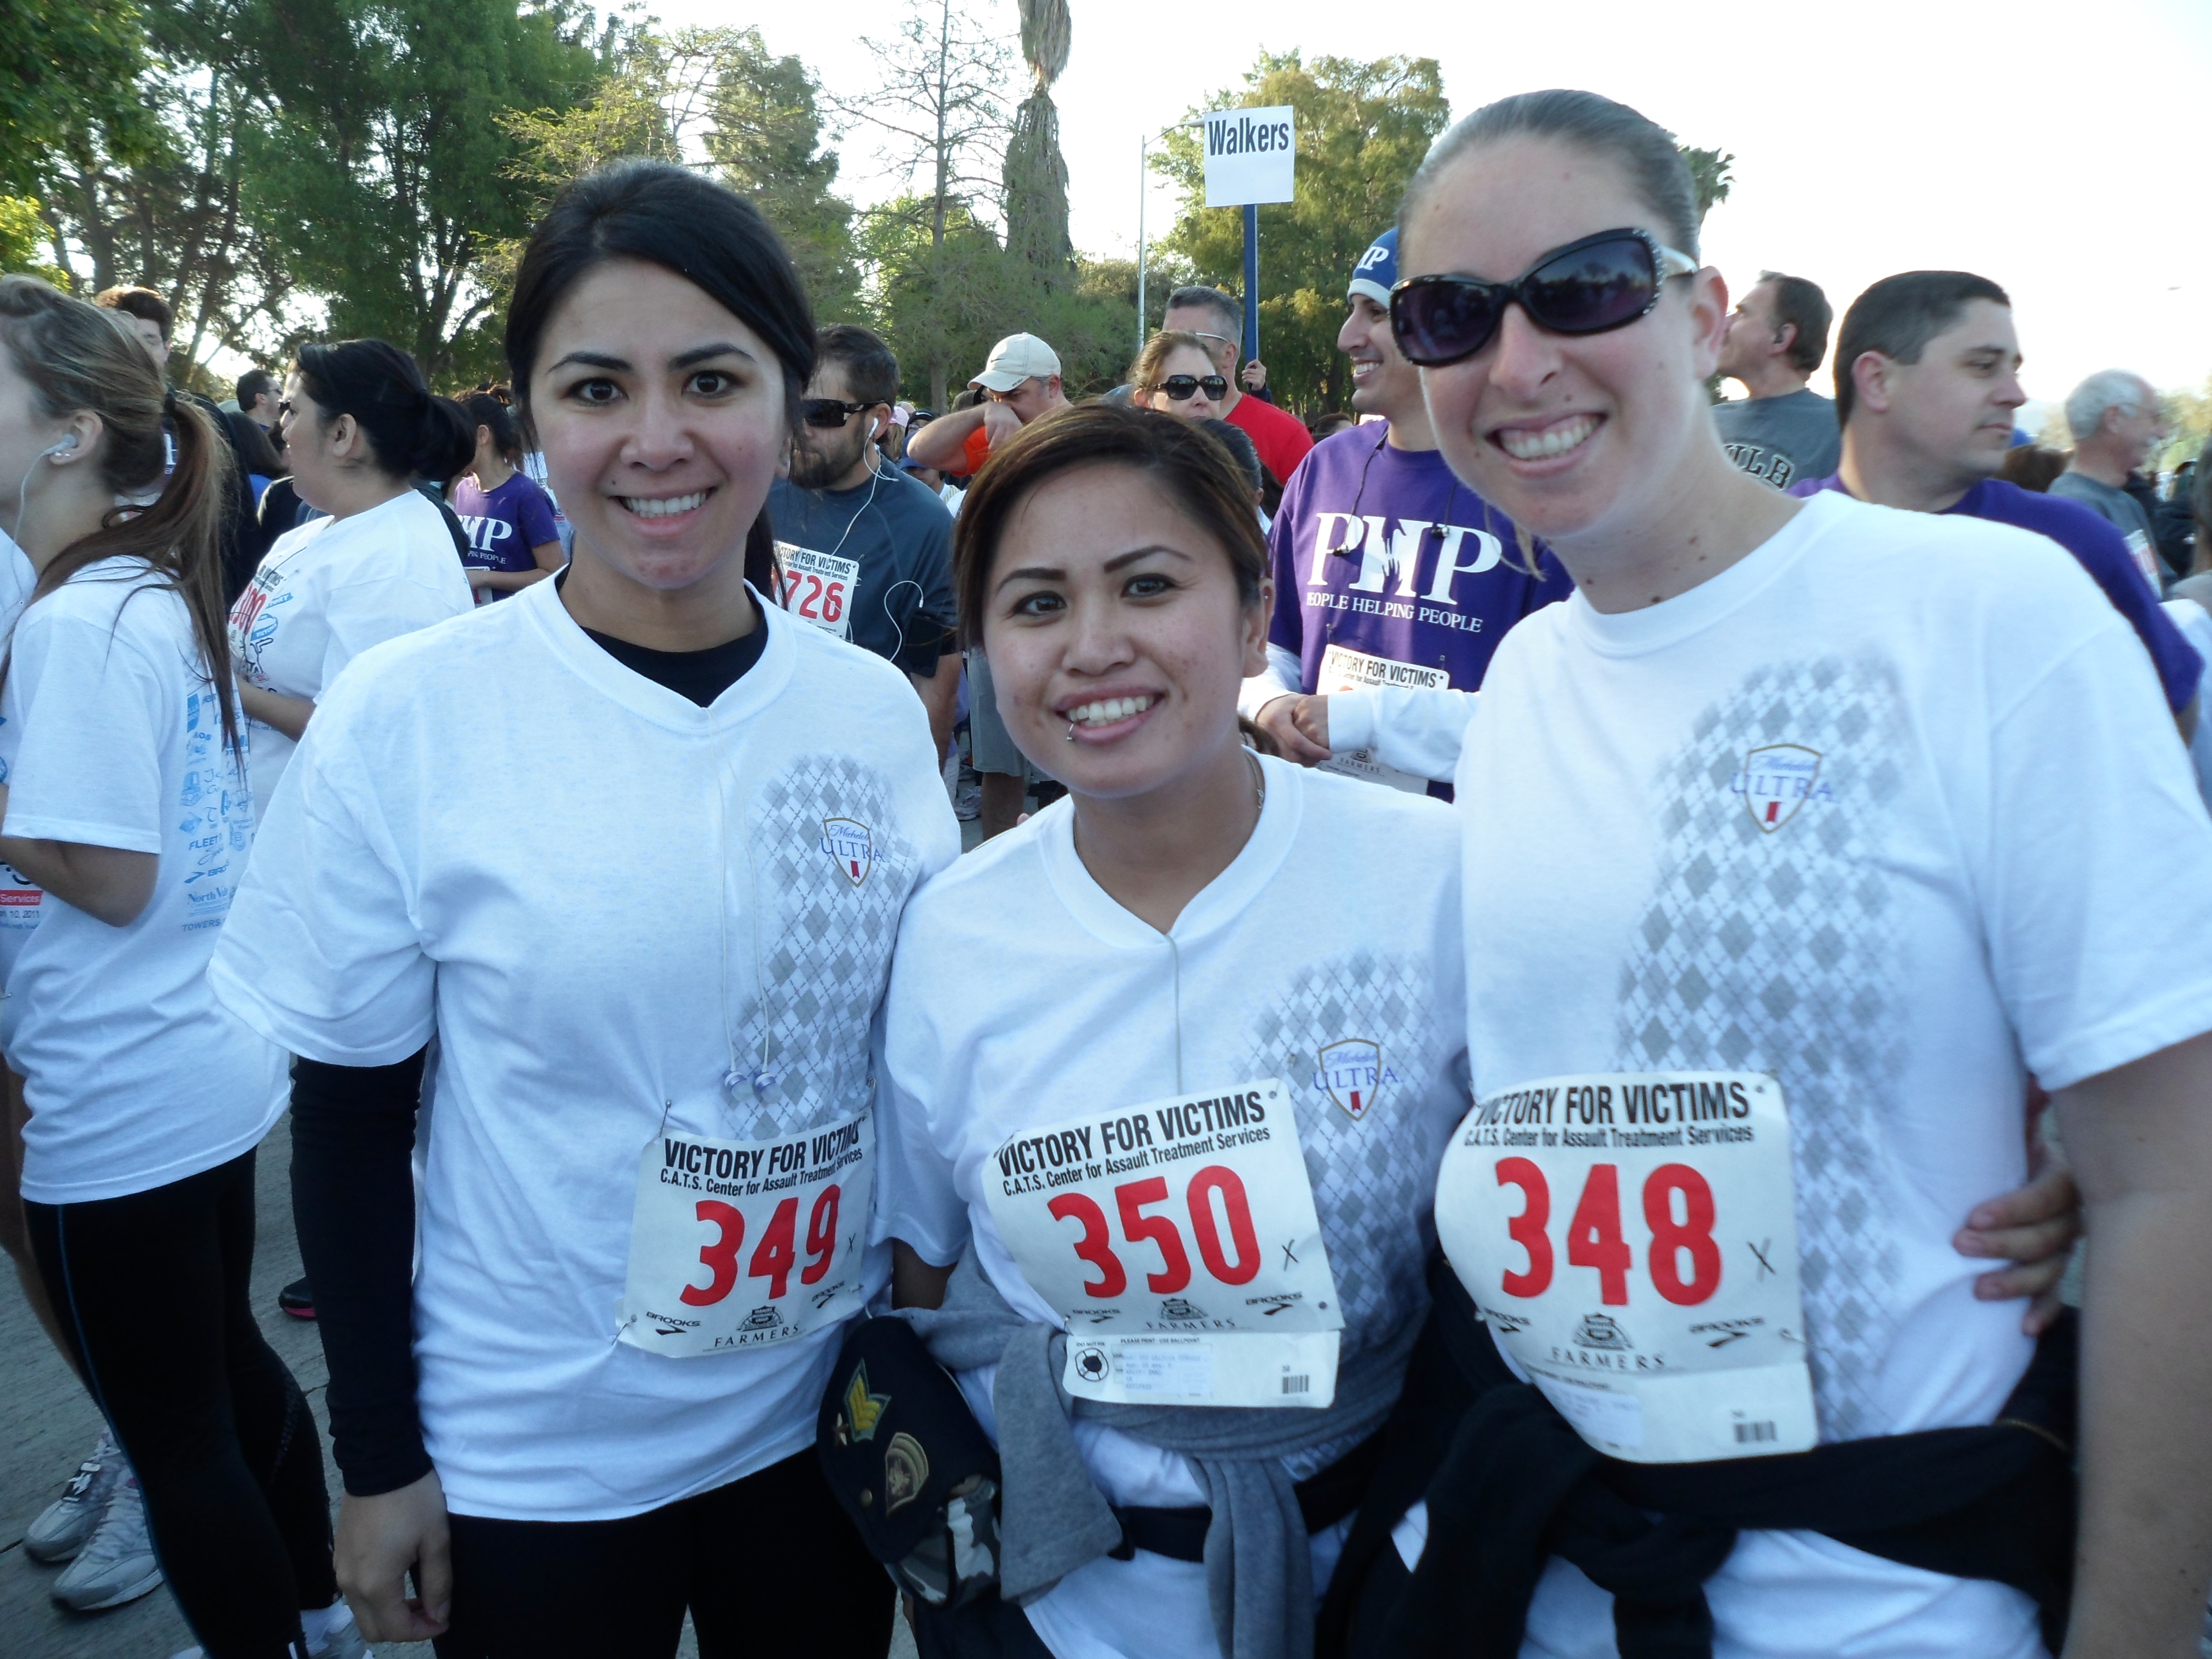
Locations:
column 1527, row 1228
column 1594, row 1238
column 821, row 1236
column 1130, row 1198
column 773, row 1258
column 1694, row 1233
column 790, row 587
column 1096, row 1244
column 1216, row 1178
column 833, row 602
column 720, row 1256
column 813, row 592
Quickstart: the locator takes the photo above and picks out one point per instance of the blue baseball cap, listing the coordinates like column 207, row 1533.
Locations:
column 1377, row 273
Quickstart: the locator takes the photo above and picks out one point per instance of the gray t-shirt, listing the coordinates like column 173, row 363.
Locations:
column 872, row 565
column 2124, row 513
column 1785, row 439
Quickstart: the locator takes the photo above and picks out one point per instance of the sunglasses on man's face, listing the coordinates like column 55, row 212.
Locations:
column 827, row 413
column 1601, row 283
column 1179, row 387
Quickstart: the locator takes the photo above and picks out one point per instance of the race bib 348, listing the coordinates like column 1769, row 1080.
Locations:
column 1632, row 1239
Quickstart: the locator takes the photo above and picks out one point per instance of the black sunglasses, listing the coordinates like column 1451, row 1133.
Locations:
column 1601, row 283
column 828, row 413
column 1179, row 387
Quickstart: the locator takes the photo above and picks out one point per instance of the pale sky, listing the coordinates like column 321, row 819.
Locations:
column 2057, row 149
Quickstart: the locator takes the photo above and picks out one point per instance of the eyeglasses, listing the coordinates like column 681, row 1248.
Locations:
column 1223, row 339
column 1601, row 283
column 827, row 413
column 283, row 409
column 1179, row 387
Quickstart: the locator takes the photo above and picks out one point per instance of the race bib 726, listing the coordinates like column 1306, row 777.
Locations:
column 1632, row 1239
column 818, row 588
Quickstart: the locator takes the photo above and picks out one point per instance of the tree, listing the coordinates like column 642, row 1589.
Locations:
column 382, row 174
column 1709, row 173
column 1362, row 130
column 938, row 103
column 755, row 116
column 68, row 70
column 1036, row 173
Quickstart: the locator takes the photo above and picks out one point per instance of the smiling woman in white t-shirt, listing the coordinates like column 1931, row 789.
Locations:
column 1793, row 843
column 647, row 1176
column 360, row 425
column 125, row 800
column 1234, row 985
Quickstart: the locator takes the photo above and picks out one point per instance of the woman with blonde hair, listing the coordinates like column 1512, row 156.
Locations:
column 1174, row 375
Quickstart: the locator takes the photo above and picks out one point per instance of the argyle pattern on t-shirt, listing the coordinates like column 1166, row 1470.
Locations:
column 1374, row 1176
column 1767, row 947
column 823, row 940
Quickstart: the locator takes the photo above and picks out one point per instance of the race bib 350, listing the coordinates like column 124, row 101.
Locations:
column 1178, row 1239
column 1632, row 1239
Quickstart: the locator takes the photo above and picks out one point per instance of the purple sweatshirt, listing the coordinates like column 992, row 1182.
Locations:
column 2102, row 552
column 1382, row 551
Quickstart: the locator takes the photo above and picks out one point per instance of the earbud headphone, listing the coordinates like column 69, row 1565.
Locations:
column 874, row 427
column 66, row 444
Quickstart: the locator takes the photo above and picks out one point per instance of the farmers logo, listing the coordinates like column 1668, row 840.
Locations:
column 847, row 842
column 1352, row 1074
column 1776, row 781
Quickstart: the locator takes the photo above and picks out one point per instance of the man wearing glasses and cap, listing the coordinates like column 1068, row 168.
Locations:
column 1388, row 571
column 864, row 550
column 1019, row 382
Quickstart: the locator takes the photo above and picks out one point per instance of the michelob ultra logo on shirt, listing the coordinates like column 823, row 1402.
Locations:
column 850, row 847
column 1353, row 1074
column 1776, row 781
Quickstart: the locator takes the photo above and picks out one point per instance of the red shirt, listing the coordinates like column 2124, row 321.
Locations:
column 1281, row 439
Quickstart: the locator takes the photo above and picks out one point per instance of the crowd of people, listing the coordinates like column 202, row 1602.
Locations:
column 720, row 1198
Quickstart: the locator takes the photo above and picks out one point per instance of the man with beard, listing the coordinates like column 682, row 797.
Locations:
column 865, row 551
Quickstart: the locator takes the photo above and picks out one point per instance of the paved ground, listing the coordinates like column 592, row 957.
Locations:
column 47, row 1423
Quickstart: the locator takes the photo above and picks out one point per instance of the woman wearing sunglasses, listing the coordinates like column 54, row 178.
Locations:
column 1793, row 843
column 1174, row 373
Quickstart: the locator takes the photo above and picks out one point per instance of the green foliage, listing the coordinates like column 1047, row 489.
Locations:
column 382, row 173
column 755, row 116
column 68, row 73
column 23, row 241
column 1362, row 130
column 1709, row 171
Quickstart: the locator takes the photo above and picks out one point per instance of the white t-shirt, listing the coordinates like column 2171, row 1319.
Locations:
column 110, row 736
column 19, row 896
column 1966, row 875
column 579, row 885
column 1023, row 995
column 328, row 591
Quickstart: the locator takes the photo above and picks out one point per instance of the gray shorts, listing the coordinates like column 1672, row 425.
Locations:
column 990, row 747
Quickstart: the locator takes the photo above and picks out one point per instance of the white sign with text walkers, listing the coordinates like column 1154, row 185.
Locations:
column 1250, row 156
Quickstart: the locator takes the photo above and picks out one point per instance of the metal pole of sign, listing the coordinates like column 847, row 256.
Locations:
column 1251, row 280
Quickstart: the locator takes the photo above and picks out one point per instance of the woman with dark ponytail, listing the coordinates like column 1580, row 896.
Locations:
column 359, row 427
column 125, row 799
column 514, row 534
column 635, row 845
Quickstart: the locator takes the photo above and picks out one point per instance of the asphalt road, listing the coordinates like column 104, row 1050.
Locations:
column 47, row 1423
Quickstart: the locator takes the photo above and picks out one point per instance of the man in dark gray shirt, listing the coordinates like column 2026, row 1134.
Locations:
column 2115, row 420
column 1776, row 335
column 865, row 551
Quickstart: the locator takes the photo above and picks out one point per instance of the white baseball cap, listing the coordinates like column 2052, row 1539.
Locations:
column 1017, row 358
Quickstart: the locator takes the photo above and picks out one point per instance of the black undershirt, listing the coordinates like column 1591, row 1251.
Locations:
column 352, row 1197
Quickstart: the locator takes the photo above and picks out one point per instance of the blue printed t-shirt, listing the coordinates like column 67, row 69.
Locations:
column 1381, row 551
column 2102, row 552
column 504, row 524
column 872, row 565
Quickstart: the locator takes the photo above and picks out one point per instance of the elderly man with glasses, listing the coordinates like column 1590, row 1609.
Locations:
column 2117, row 426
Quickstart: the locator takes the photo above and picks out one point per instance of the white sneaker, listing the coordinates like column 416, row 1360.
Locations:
column 63, row 1525
column 117, row 1565
column 341, row 1638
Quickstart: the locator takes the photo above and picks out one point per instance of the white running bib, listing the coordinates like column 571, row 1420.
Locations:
column 1632, row 1239
column 818, row 588
column 1179, row 1241
column 739, row 1245
column 1343, row 670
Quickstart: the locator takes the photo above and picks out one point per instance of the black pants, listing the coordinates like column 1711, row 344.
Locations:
column 986, row 1628
column 768, row 1566
column 152, row 1290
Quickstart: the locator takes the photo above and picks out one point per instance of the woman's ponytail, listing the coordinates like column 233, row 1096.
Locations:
column 444, row 443
column 77, row 356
